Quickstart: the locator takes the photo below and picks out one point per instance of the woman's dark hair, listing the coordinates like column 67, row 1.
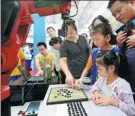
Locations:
column 55, row 40
column 107, row 58
column 106, row 22
column 102, row 19
column 42, row 44
column 71, row 22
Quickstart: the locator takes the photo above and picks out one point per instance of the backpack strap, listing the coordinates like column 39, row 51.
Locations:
column 94, row 67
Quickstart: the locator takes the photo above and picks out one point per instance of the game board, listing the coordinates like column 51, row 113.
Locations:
column 64, row 95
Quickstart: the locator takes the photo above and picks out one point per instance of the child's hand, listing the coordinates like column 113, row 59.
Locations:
column 103, row 101
column 96, row 96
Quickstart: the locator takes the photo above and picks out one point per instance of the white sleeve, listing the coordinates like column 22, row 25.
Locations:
column 98, row 84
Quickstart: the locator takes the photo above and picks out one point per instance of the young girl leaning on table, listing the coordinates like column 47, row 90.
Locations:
column 110, row 89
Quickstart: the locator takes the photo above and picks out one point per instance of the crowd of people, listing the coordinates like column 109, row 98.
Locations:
column 111, row 59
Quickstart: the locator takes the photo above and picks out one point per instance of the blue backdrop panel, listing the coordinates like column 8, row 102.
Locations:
column 38, row 33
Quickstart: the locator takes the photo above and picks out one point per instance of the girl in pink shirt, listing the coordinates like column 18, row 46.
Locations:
column 111, row 89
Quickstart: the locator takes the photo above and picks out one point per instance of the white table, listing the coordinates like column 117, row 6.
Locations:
column 91, row 109
column 15, row 109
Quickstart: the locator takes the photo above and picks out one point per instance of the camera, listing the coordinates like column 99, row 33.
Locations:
column 127, row 28
column 66, row 18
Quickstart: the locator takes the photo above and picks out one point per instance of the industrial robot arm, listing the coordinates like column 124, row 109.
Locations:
column 16, row 23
